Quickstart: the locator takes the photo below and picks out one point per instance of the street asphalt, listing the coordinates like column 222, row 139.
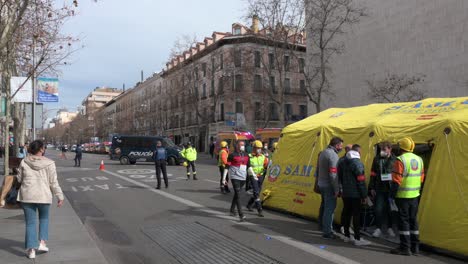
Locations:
column 132, row 222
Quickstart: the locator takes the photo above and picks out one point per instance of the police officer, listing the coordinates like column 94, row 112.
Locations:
column 407, row 178
column 160, row 157
column 223, row 165
column 258, row 165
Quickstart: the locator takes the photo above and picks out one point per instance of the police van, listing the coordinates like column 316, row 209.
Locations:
column 130, row 149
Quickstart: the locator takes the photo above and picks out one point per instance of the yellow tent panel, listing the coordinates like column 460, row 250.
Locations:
column 441, row 122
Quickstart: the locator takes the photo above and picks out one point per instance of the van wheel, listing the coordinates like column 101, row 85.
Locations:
column 171, row 161
column 124, row 160
column 133, row 162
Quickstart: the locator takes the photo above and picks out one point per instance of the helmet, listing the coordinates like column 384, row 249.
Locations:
column 223, row 144
column 185, row 164
column 275, row 145
column 407, row 144
column 258, row 144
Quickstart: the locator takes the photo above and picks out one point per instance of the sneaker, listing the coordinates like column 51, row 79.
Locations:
column 377, row 233
column 260, row 214
column 361, row 242
column 31, row 253
column 43, row 248
column 348, row 239
column 329, row 236
column 390, row 232
column 249, row 208
column 399, row 251
column 242, row 218
column 158, row 187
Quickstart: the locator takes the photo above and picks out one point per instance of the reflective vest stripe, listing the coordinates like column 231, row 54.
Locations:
column 412, row 172
column 256, row 162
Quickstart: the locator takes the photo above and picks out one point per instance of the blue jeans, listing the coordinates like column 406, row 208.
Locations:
column 383, row 214
column 329, row 205
column 30, row 217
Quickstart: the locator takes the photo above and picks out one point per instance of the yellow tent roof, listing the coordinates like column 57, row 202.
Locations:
column 443, row 122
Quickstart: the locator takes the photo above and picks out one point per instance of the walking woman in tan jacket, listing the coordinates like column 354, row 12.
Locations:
column 38, row 179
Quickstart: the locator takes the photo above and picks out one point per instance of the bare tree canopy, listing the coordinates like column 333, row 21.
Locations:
column 181, row 44
column 397, row 88
column 326, row 21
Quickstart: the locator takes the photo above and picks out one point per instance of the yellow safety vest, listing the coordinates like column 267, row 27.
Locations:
column 189, row 154
column 256, row 162
column 220, row 161
column 413, row 169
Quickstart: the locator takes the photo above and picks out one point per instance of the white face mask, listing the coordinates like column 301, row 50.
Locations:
column 259, row 151
column 242, row 148
column 383, row 154
column 265, row 147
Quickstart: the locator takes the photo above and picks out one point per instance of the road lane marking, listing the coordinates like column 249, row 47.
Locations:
column 332, row 257
column 211, row 181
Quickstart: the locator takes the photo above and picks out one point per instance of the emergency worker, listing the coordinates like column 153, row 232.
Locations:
column 223, row 164
column 258, row 167
column 190, row 154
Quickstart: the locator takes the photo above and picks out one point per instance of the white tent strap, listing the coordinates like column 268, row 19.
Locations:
column 454, row 171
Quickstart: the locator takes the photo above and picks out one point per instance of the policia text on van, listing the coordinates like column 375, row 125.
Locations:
column 130, row 149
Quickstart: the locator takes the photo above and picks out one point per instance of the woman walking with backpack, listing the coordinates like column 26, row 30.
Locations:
column 38, row 178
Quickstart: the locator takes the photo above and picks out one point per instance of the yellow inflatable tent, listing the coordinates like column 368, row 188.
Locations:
column 441, row 123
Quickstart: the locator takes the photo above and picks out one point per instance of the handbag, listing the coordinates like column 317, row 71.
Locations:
column 12, row 196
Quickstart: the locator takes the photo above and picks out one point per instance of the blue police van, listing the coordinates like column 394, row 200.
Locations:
column 130, row 149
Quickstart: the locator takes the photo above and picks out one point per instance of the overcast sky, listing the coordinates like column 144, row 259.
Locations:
column 123, row 37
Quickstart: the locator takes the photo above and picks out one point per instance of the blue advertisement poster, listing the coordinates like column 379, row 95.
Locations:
column 47, row 90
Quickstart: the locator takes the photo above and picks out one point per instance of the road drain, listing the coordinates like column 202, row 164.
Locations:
column 196, row 243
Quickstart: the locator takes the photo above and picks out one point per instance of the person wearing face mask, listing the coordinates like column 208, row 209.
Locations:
column 238, row 163
column 223, row 165
column 328, row 184
column 257, row 169
column 352, row 179
column 379, row 188
column 266, row 150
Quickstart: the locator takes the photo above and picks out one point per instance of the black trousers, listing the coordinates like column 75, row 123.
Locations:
column 352, row 208
column 407, row 222
column 237, row 186
column 78, row 160
column 161, row 167
column 221, row 172
column 257, row 188
column 191, row 164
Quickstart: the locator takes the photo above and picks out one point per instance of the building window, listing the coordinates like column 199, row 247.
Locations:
column 204, row 91
column 274, row 112
column 257, row 83
column 213, row 68
column 238, row 83
column 272, row 84
column 196, row 73
column 221, row 85
column 221, row 61
column 258, row 59
column 288, row 112
column 237, row 58
column 258, row 111
column 204, row 69
column 195, row 89
column 237, row 31
column 271, row 60
column 287, row 86
column 286, row 63
column 239, row 108
column 303, row 111
column 302, row 87
column 212, row 90
column 221, row 110
column 301, row 65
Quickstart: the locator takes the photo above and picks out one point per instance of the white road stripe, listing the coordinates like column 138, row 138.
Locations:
column 327, row 255
column 211, row 181
column 332, row 257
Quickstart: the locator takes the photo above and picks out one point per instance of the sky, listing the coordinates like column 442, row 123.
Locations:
column 122, row 37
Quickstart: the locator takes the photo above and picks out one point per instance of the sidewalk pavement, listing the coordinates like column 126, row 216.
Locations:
column 69, row 241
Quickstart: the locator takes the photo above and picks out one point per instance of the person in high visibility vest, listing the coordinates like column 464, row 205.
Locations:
column 190, row 154
column 223, row 164
column 258, row 165
column 407, row 179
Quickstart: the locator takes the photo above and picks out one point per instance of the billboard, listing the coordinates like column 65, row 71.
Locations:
column 47, row 90
column 39, row 119
column 23, row 89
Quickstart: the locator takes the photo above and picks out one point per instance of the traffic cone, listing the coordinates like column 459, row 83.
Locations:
column 101, row 167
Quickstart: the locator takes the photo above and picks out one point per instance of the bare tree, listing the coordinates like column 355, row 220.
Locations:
column 397, row 88
column 282, row 23
column 327, row 20
column 181, row 44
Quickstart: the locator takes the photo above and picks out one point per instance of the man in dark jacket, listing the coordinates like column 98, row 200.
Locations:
column 379, row 188
column 354, row 193
column 78, row 156
column 160, row 156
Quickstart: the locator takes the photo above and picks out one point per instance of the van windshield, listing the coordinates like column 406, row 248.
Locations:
column 169, row 143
